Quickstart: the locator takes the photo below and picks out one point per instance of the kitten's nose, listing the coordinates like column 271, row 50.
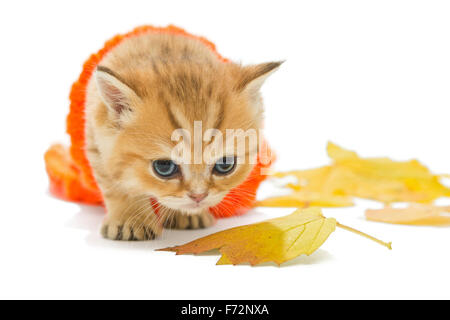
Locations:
column 197, row 197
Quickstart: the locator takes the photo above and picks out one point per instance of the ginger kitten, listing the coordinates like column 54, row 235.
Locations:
column 142, row 91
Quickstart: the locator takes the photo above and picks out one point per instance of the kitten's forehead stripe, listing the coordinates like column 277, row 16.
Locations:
column 186, row 53
column 180, row 118
column 173, row 120
column 166, row 103
column 221, row 111
column 196, row 82
column 155, row 68
column 209, row 90
column 165, row 49
column 219, row 119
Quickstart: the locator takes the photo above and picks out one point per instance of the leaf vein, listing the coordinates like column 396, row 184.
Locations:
column 317, row 234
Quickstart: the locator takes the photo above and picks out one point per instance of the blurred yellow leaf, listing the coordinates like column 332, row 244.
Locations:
column 384, row 179
column 337, row 153
column 276, row 240
column 379, row 179
column 416, row 214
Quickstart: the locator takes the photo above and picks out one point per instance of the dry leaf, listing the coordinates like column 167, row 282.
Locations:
column 308, row 191
column 384, row 179
column 312, row 179
column 379, row 179
column 277, row 240
column 414, row 215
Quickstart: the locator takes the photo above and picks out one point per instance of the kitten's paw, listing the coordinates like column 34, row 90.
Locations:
column 129, row 231
column 189, row 221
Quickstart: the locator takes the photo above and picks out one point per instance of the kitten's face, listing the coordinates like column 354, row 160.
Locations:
column 142, row 113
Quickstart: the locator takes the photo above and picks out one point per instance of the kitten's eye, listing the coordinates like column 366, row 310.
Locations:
column 165, row 168
column 224, row 166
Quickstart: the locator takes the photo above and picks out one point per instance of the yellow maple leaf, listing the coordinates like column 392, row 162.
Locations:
column 417, row 214
column 349, row 175
column 384, row 179
column 276, row 240
column 308, row 191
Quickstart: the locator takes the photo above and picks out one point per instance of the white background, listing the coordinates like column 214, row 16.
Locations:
column 373, row 76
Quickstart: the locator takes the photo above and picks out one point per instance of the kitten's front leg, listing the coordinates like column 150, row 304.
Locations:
column 179, row 220
column 130, row 219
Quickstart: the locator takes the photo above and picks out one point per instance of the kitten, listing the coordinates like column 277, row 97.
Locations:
column 144, row 89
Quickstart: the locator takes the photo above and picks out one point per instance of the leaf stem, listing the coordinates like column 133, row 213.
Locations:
column 365, row 235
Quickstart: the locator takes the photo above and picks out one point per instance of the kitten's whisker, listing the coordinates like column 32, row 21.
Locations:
column 143, row 209
column 132, row 204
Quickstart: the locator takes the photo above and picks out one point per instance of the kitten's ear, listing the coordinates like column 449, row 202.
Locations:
column 117, row 96
column 253, row 77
